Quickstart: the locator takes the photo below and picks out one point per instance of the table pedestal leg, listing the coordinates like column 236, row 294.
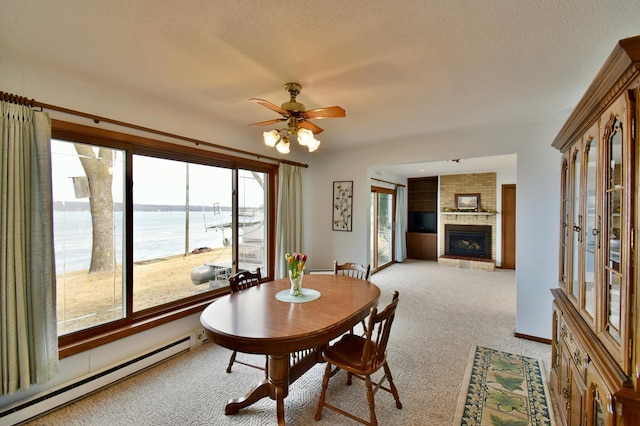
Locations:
column 279, row 381
column 261, row 390
column 276, row 388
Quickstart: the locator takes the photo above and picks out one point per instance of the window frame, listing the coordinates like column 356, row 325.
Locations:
column 135, row 322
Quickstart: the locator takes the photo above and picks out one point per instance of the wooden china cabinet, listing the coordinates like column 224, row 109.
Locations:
column 595, row 375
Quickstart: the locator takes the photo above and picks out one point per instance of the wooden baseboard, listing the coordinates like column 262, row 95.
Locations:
column 533, row 338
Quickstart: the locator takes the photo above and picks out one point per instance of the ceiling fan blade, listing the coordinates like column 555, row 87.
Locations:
column 266, row 123
column 328, row 112
column 310, row 126
column 272, row 107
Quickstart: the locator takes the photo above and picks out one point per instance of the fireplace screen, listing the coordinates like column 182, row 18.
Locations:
column 468, row 241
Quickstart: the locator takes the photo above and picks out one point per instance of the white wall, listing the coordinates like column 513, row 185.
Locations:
column 88, row 363
column 324, row 244
column 57, row 90
column 537, row 224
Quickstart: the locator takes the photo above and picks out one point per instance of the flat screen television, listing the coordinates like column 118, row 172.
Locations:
column 423, row 222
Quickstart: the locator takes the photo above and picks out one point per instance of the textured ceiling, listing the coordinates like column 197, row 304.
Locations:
column 401, row 69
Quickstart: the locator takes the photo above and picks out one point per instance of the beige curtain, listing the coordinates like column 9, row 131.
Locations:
column 401, row 215
column 289, row 230
column 28, row 337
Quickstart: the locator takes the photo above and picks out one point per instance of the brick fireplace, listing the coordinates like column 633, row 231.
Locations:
column 485, row 221
column 480, row 226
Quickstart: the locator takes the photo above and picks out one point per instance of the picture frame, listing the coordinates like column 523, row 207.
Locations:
column 342, row 205
column 468, row 202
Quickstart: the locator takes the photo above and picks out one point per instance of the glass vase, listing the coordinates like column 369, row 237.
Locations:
column 296, row 282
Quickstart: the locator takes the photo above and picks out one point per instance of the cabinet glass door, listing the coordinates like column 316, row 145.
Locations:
column 614, row 270
column 577, row 223
column 591, row 227
column 565, row 226
column 598, row 415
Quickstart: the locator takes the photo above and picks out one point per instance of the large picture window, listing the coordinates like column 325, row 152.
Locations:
column 168, row 240
column 88, row 215
column 182, row 222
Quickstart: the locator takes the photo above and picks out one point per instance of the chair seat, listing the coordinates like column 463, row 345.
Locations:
column 347, row 353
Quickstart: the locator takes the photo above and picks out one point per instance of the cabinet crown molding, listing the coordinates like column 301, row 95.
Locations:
column 621, row 67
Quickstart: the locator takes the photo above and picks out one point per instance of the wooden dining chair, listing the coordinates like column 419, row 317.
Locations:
column 245, row 279
column 361, row 357
column 238, row 282
column 355, row 270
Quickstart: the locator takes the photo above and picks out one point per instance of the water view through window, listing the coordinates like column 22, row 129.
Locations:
column 173, row 216
column 88, row 236
column 182, row 231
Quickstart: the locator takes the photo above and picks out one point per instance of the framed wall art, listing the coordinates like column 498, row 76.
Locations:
column 470, row 202
column 342, row 205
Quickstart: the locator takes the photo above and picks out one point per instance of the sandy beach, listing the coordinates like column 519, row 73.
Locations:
column 90, row 299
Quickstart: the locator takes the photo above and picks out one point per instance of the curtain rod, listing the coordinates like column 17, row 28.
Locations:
column 21, row 100
column 386, row 181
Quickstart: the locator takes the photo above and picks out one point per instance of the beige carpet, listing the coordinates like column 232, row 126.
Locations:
column 443, row 312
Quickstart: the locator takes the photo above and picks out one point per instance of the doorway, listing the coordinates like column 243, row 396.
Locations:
column 383, row 213
column 508, row 226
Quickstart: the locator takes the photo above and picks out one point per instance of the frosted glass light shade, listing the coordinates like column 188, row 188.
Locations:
column 313, row 144
column 283, row 147
column 304, row 136
column 270, row 138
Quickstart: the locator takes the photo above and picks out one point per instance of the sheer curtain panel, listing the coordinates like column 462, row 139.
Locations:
column 401, row 214
column 28, row 337
column 289, row 230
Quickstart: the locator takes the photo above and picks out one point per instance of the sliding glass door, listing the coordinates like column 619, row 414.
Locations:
column 382, row 229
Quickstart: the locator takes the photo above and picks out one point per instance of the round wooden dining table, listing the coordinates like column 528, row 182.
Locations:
column 291, row 334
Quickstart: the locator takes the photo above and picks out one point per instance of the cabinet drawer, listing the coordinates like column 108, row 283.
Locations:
column 578, row 355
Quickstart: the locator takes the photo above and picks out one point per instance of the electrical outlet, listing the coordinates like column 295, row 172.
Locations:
column 201, row 337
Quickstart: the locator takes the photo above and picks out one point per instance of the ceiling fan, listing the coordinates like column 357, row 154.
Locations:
column 293, row 112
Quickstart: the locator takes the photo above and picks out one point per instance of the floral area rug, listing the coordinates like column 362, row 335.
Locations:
column 503, row 389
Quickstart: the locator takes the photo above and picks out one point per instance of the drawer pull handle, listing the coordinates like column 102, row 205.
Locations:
column 577, row 357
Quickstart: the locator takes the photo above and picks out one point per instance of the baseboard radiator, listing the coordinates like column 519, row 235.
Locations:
column 68, row 393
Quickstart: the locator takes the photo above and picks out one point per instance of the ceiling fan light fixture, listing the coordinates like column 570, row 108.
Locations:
column 313, row 144
column 271, row 138
column 284, row 147
column 298, row 121
column 305, row 136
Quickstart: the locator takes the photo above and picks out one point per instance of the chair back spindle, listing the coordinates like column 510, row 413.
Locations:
column 350, row 269
column 374, row 352
column 354, row 270
column 238, row 282
column 244, row 279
